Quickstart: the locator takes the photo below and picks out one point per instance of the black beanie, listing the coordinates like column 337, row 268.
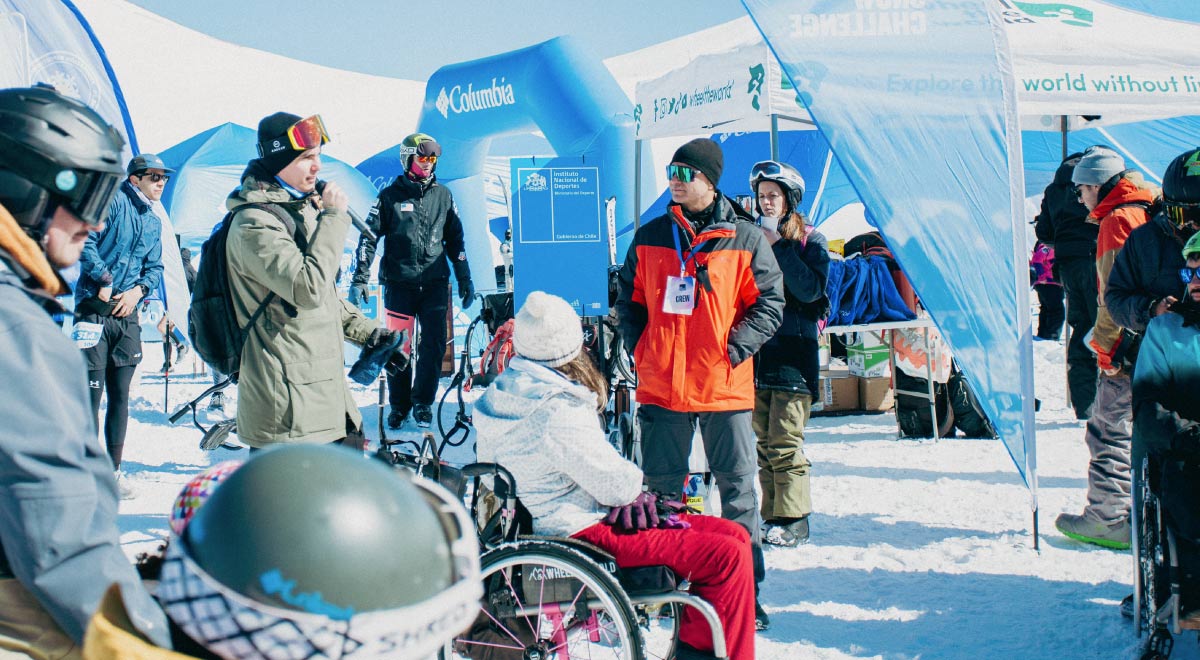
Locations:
column 704, row 155
column 275, row 150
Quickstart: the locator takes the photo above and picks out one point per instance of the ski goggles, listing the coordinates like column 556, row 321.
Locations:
column 430, row 158
column 233, row 625
column 683, row 173
column 85, row 193
column 1182, row 213
column 767, row 169
column 1186, row 274
column 308, row 133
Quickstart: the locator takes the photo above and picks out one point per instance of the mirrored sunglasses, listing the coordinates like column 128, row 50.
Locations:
column 426, row 159
column 681, row 173
column 1186, row 274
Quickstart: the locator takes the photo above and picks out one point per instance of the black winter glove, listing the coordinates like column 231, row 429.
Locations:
column 466, row 291
column 358, row 294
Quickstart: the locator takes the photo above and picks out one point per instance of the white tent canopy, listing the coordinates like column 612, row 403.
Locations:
column 1098, row 59
column 739, row 90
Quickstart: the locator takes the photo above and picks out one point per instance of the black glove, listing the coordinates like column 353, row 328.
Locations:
column 376, row 352
column 466, row 291
column 358, row 294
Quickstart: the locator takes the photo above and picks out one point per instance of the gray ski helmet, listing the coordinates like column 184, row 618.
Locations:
column 786, row 176
column 1181, row 188
column 319, row 549
column 55, row 150
column 418, row 144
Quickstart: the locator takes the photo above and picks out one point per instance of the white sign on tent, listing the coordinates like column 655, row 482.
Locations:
column 738, row 90
column 1092, row 58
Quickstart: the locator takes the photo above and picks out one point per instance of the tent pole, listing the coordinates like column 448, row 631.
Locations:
column 637, row 184
column 774, row 137
column 1036, row 548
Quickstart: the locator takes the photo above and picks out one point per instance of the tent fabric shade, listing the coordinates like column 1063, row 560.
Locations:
column 738, row 90
column 208, row 166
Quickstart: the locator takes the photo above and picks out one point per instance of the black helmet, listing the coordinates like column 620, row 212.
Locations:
column 55, row 151
column 783, row 174
column 419, row 144
column 315, row 551
column 1181, row 189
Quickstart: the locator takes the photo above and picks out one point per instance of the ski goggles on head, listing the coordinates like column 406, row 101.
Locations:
column 767, row 169
column 1186, row 274
column 684, row 173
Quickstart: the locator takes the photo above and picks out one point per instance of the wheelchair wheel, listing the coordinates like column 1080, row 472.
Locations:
column 660, row 629
column 1150, row 555
column 545, row 600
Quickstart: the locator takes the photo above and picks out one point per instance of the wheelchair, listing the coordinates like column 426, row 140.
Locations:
column 551, row 597
column 1166, row 576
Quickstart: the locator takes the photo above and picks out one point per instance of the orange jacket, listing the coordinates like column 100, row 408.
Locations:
column 699, row 362
column 1120, row 212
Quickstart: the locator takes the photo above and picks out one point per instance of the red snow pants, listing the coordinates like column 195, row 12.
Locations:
column 714, row 555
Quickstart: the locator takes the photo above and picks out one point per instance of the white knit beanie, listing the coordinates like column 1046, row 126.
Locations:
column 547, row 330
column 1097, row 165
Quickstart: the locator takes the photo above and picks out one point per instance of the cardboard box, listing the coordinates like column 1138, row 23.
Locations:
column 838, row 392
column 875, row 394
column 868, row 358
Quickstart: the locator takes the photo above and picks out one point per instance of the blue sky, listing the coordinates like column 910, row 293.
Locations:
column 411, row 39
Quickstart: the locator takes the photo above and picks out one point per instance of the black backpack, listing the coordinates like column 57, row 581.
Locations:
column 212, row 322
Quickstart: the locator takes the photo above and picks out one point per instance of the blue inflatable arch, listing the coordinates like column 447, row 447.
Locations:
column 552, row 87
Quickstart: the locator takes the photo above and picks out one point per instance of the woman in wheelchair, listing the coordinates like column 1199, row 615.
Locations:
column 1166, row 401
column 539, row 420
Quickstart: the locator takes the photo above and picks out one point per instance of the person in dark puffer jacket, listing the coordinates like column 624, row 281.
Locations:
column 1063, row 224
column 787, row 366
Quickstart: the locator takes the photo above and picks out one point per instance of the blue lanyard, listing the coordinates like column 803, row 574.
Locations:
column 679, row 251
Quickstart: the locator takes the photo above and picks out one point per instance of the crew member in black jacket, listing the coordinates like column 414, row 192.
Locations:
column 422, row 241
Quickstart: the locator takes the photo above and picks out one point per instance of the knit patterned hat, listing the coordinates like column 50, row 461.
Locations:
column 704, row 155
column 547, row 330
column 1097, row 166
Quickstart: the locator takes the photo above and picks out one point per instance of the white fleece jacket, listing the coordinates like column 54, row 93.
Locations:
column 543, row 427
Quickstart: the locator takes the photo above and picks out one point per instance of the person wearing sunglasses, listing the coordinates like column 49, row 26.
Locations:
column 787, row 368
column 423, row 242
column 700, row 292
column 292, row 384
column 1119, row 201
column 121, row 265
column 60, row 166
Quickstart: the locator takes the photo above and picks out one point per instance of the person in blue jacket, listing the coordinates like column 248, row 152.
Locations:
column 787, row 366
column 60, row 548
column 121, row 264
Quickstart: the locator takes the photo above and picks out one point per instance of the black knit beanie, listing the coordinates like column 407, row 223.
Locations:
column 704, row 155
column 275, row 150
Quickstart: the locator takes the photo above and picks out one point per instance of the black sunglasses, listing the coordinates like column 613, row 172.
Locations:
column 154, row 176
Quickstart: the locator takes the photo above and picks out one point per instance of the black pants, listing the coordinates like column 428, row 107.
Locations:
column 111, row 363
column 1052, row 313
column 428, row 305
column 1078, row 277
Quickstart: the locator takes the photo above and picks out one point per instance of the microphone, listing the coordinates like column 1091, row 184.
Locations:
column 357, row 221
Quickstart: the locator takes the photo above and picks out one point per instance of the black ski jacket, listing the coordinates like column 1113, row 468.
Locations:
column 1145, row 272
column 1063, row 221
column 422, row 237
column 789, row 361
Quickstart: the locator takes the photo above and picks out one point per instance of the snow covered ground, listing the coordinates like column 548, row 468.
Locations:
column 920, row 549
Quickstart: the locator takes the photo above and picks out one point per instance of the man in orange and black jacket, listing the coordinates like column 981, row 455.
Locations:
column 700, row 292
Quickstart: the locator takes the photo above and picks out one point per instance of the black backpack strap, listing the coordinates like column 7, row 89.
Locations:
column 290, row 223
